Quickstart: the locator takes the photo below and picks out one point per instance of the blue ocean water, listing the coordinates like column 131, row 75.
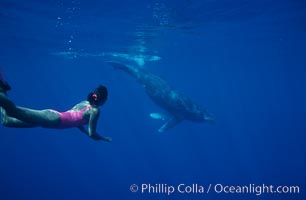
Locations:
column 244, row 60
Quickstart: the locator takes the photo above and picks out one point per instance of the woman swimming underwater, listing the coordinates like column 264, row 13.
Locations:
column 83, row 113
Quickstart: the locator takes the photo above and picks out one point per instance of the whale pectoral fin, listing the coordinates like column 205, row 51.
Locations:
column 170, row 124
column 159, row 116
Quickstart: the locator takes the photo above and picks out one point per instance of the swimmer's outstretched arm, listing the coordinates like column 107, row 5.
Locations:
column 95, row 136
column 92, row 125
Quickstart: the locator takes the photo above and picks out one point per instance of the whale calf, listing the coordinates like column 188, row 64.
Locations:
column 179, row 107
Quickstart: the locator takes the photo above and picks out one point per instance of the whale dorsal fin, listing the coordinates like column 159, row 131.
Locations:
column 173, row 121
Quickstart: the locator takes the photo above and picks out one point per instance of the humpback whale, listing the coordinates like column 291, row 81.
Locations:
column 178, row 106
column 140, row 59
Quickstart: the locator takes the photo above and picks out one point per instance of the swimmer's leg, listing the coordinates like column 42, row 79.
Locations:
column 45, row 118
column 4, row 86
column 8, row 121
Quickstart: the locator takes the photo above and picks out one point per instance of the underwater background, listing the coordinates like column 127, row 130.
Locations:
column 243, row 60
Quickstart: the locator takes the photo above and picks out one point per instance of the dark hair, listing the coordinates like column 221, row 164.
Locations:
column 99, row 96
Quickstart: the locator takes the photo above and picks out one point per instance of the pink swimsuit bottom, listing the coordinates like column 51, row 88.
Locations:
column 72, row 118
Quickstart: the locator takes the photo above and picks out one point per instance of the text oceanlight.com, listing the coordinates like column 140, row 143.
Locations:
column 196, row 188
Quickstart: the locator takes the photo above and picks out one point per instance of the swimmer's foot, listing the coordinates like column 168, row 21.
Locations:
column 4, row 86
column 99, row 137
column 107, row 139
